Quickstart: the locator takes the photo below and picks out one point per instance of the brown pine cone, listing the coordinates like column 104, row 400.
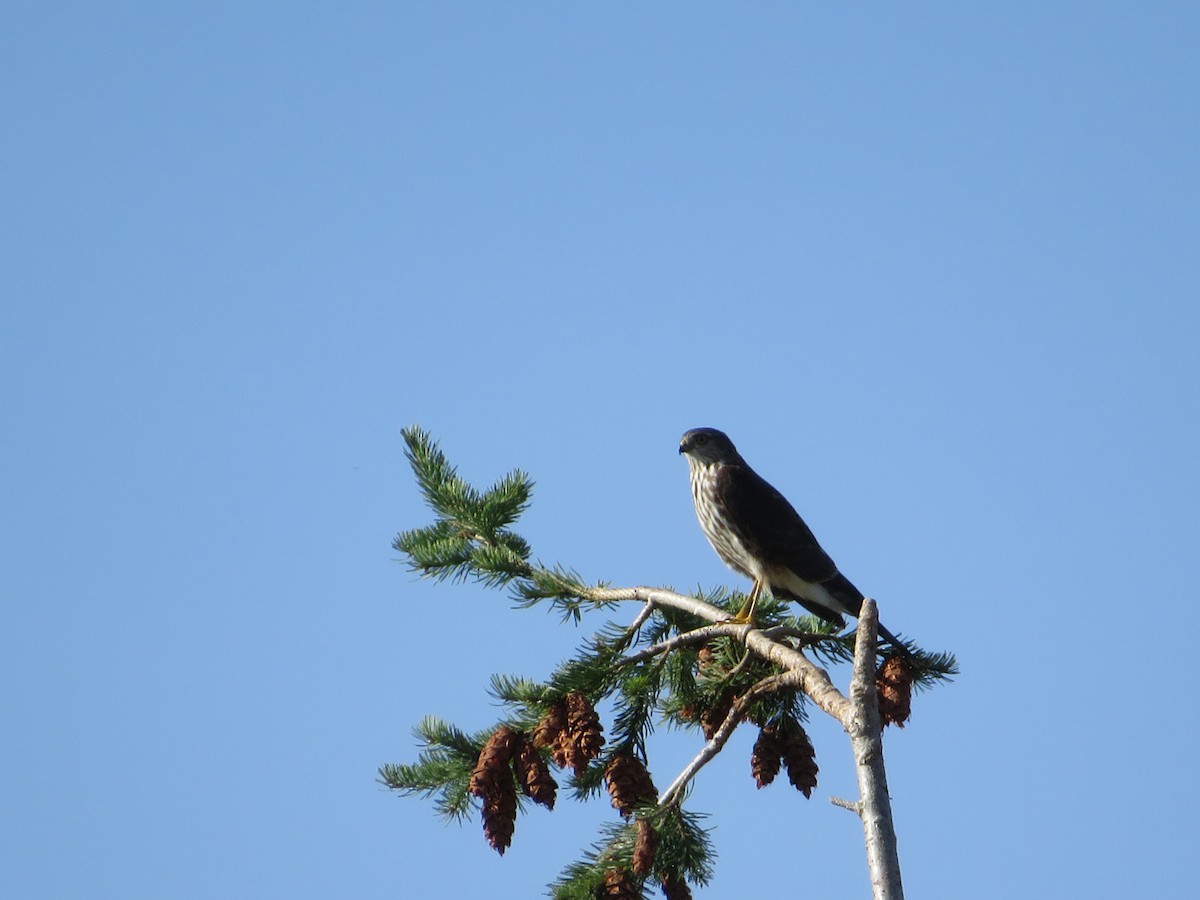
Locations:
column 492, row 767
column 767, row 756
column 500, row 816
column 712, row 717
column 583, row 735
column 492, row 781
column 553, row 733
column 534, row 776
column 628, row 783
column 893, row 684
column 548, row 730
column 800, row 759
column 674, row 888
column 619, row 885
column 706, row 659
column 644, row 848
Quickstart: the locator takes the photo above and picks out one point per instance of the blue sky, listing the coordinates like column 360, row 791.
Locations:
column 933, row 267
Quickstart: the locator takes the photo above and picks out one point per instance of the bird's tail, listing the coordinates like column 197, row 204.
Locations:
column 850, row 599
column 895, row 642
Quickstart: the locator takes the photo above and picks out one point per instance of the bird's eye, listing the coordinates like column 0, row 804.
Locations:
column 702, row 439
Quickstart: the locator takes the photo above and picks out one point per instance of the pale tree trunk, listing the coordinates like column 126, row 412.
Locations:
column 866, row 739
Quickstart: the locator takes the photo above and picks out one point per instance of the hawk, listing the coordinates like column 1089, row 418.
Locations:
column 758, row 533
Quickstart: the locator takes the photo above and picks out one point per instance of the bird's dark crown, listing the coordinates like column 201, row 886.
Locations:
column 708, row 445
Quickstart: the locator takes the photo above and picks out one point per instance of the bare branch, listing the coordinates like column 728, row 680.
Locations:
column 657, row 596
column 790, row 679
column 696, row 636
column 855, row 808
column 647, row 611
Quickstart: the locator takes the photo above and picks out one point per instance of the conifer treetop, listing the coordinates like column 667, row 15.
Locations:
column 678, row 660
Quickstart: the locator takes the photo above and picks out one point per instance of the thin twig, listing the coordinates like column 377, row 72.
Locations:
column 695, row 636
column 646, row 612
column 721, row 736
column 855, row 808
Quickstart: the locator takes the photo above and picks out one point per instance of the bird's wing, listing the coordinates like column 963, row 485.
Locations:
column 766, row 517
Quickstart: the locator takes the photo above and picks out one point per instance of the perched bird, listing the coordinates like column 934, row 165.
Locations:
column 758, row 533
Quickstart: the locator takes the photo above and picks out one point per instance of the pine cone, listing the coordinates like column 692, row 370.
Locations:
column 628, row 783
column 712, row 717
column 893, row 684
column 619, row 885
column 550, row 728
column 492, row 781
column 582, row 739
column 675, row 888
column 500, row 817
column 801, row 760
column 645, row 848
column 767, row 756
column 534, row 776
column 492, row 767
column 706, row 659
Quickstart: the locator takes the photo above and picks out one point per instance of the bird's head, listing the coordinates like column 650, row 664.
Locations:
column 707, row 447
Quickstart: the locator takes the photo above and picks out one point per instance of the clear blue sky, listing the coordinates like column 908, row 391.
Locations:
column 933, row 266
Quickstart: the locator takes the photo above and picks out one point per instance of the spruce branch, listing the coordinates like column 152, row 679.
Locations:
column 442, row 769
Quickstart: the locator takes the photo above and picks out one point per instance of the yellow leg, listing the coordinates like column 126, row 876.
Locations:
column 746, row 613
